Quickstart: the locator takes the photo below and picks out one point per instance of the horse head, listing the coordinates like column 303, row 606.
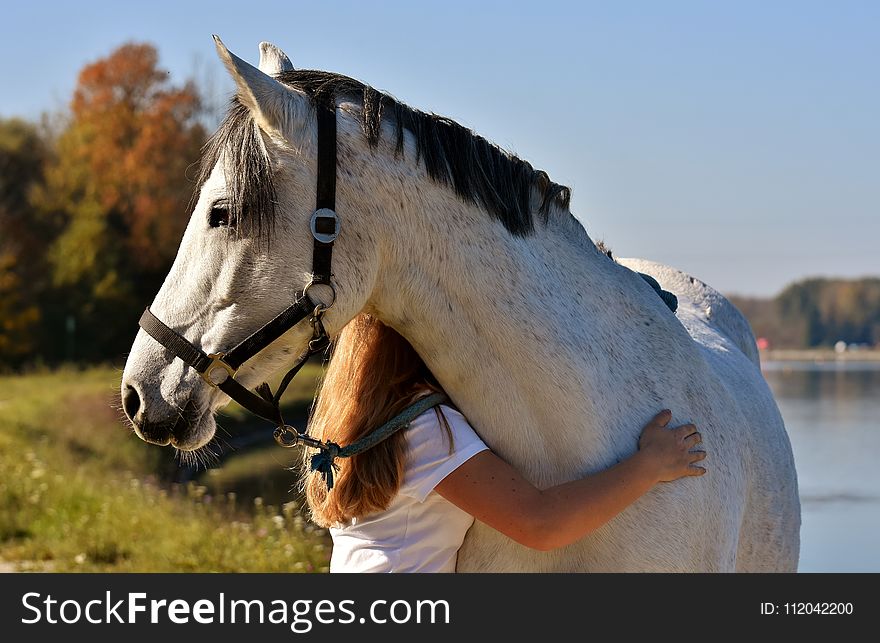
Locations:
column 424, row 204
column 245, row 254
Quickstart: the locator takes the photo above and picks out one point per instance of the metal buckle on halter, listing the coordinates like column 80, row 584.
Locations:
column 320, row 339
column 217, row 362
column 286, row 436
column 320, row 225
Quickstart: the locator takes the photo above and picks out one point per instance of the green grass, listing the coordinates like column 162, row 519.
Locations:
column 80, row 492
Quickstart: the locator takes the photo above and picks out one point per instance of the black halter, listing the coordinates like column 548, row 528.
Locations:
column 218, row 369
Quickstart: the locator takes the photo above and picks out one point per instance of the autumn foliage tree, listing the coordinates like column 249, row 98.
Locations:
column 118, row 189
column 22, row 157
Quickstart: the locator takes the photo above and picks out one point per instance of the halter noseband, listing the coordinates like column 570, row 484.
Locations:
column 219, row 369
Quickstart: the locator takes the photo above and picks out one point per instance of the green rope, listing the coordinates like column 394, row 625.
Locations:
column 324, row 461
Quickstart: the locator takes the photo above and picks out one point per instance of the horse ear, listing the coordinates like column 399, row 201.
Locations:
column 269, row 101
column 273, row 61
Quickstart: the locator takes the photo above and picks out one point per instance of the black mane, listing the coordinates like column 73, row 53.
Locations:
column 478, row 171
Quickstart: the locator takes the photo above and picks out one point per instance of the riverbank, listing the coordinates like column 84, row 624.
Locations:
column 819, row 355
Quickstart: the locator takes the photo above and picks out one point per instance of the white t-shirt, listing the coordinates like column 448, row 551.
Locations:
column 420, row 531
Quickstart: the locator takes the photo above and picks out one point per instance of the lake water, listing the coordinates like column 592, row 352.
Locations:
column 832, row 413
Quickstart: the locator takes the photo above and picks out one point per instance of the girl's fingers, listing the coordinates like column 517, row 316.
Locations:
column 693, row 439
column 696, row 456
column 694, row 470
column 662, row 418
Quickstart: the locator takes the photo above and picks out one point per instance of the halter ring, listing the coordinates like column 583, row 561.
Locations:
column 326, row 307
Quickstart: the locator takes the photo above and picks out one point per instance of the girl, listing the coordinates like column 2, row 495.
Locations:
column 405, row 504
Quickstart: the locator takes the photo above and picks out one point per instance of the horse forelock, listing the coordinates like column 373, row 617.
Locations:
column 478, row 171
column 250, row 185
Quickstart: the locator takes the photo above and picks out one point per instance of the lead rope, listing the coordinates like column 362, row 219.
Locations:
column 668, row 298
column 284, row 434
column 324, row 462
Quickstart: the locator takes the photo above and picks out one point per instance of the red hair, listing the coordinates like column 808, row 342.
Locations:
column 373, row 374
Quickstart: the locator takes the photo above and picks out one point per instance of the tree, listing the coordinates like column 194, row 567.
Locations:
column 817, row 312
column 18, row 315
column 118, row 186
column 22, row 156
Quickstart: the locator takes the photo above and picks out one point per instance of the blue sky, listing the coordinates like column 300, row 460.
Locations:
column 739, row 141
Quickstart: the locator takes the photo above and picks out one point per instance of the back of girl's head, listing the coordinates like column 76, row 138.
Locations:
column 373, row 374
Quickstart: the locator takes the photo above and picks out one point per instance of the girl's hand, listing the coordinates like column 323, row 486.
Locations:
column 498, row 495
column 668, row 451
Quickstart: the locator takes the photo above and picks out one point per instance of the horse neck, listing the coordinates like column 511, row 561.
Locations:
column 486, row 311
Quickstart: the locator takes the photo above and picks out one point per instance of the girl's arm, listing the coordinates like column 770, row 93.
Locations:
column 497, row 494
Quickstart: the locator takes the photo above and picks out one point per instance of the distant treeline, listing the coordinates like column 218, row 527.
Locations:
column 817, row 312
column 92, row 206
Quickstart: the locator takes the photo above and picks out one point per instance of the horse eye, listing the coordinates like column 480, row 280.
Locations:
column 219, row 216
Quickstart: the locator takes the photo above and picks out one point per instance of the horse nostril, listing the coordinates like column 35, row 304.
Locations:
column 131, row 402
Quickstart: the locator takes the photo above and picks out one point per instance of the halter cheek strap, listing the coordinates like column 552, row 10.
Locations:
column 325, row 224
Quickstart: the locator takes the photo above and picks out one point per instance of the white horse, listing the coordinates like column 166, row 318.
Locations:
column 556, row 353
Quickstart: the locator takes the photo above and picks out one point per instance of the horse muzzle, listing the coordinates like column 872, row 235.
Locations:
column 187, row 428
